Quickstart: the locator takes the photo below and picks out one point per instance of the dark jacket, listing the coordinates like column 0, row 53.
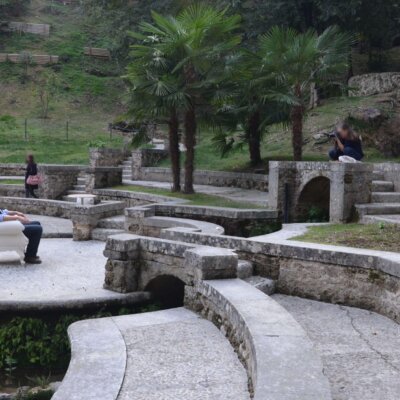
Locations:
column 31, row 170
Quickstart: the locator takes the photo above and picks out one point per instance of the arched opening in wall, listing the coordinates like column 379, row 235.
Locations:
column 314, row 200
column 167, row 290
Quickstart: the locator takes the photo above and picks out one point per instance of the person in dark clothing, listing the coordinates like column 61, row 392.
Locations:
column 347, row 143
column 31, row 170
column 33, row 231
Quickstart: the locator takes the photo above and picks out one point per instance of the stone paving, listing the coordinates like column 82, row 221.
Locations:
column 177, row 355
column 255, row 197
column 54, row 227
column 72, row 274
column 360, row 350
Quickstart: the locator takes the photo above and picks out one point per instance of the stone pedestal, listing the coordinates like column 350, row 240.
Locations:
column 103, row 177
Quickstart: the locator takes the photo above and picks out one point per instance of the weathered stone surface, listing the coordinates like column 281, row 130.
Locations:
column 370, row 84
column 107, row 157
column 70, row 277
column 360, row 350
column 280, row 359
column 212, row 263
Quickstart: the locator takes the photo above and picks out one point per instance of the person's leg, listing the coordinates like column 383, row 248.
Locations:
column 33, row 232
column 334, row 154
column 27, row 192
column 32, row 192
column 350, row 152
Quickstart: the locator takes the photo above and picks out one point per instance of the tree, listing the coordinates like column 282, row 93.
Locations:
column 194, row 45
column 298, row 60
column 47, row 87
column 156, row 96
column 252, row 105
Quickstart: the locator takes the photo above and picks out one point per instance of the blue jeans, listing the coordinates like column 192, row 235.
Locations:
column 334, row 154
column 33, row 231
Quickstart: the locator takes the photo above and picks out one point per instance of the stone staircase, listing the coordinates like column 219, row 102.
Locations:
column 107, row 227
column 79, row 188
column 385, row 203
column 127, row 169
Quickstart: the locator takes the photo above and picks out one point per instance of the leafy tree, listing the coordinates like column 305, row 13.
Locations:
column 298, row 60
column 193, row 46
column 12, row 8
column 252, row 105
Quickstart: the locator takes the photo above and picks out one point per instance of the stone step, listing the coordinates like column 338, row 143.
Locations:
column 81, row 181
column 245, row 269
column 378, row 176
column 127, row 163
column 69, row 199
column 171, row 354
column 378, row 209
column 102, row 235
column 80, row 187
column 385, row 197
column 265, row 285
column 389, row 219
column 116, row 222
column 73, row 191
column 382, row 186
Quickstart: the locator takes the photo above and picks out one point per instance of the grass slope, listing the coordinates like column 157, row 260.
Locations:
column 86, row 101
column 383, row 237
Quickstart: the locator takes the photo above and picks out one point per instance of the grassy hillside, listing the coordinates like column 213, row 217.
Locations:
column 90, row 94
column 88, row 102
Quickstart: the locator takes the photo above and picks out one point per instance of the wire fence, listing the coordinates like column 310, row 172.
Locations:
column 28, row 129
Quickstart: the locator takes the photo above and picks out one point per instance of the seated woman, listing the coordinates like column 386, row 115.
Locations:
column 347, row 143
column 33, row 231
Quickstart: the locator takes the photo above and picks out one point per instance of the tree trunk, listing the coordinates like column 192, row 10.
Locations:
column 297, row 117
column 254, row 138
column 174, row 153
column 297, row 132
column 190, row 141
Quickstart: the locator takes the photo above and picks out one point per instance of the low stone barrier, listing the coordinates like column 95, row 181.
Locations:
column 7, row 190
column 12, row 169
column 280, row 359
column 84, row 218
column 103, row 177
column 134, row 261
column 371, row 84
column 214, row 178
column 106, row 157
column 361, row 278
column 234, row 221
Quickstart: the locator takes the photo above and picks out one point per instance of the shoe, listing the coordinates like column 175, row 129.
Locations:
column 33, row 260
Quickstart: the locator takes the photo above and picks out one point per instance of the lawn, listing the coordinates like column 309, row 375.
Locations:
column 197, row 199
column 12, row 182
column 385, row 237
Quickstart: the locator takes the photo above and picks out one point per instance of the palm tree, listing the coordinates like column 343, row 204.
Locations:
column 155, row 95
column 253, row 103
column 299, row 60
column 193, row 46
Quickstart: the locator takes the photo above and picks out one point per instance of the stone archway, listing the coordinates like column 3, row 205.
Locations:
column 314, row 201
column 168, row 290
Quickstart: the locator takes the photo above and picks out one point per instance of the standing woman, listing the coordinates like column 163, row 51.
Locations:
column 31, row 177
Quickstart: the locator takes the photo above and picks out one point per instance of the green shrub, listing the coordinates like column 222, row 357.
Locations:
column 317, row 214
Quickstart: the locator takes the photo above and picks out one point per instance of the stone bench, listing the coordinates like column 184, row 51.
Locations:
column 12, row 238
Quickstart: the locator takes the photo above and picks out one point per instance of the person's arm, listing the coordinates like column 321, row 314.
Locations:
column 20, row 214
column 8, row 218
column 339, row 144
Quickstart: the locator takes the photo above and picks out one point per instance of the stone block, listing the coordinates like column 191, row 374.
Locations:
column 212, row 263
column 122, row 276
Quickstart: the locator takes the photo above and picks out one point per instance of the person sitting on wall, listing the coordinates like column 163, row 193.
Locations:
column 33, row 231
column 347, row 143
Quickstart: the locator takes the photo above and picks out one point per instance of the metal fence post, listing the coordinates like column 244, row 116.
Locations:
column 67, row 130
column 26, row 129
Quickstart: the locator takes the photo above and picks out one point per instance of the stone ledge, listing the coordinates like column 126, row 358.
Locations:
column 98, row 361
column 281, row 361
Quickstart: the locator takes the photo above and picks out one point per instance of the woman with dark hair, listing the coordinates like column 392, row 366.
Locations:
column 31, row 177
column 347, row 143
